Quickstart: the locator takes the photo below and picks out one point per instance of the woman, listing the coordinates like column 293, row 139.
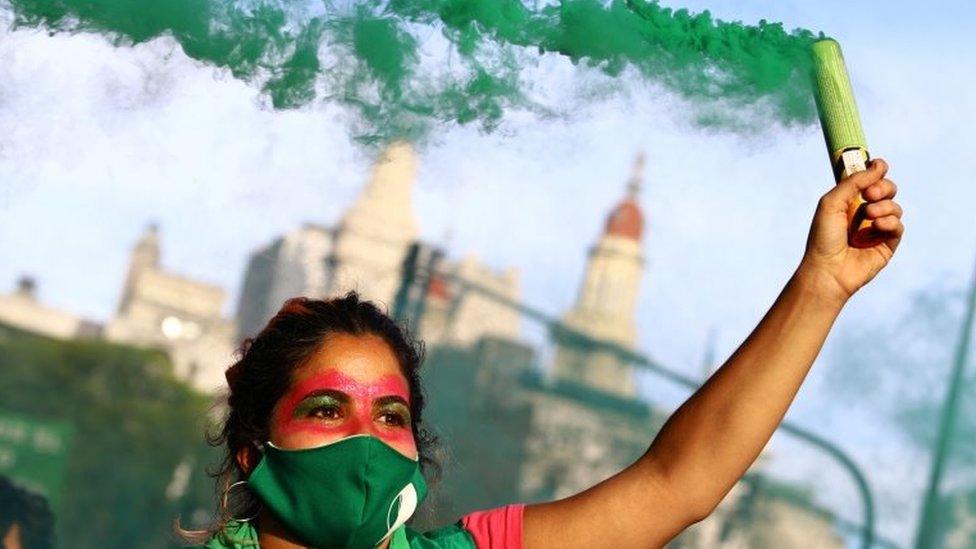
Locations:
column 325, row 445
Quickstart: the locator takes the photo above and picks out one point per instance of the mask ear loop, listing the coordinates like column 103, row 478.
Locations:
column 223, row 502
column 223, row 498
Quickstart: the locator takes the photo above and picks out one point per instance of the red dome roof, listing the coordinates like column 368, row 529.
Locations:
column 626, row 220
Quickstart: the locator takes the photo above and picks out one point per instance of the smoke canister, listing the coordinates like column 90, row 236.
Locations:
column 841, row 128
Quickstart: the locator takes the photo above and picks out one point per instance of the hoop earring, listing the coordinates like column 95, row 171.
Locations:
column 223, row 501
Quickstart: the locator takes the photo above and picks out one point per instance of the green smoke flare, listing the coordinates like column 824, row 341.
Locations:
column 367, row 54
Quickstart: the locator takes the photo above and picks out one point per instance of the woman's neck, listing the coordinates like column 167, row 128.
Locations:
column 273, row 535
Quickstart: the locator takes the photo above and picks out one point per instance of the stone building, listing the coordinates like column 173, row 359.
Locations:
column 365, row 251
column 294, row 264
column 22, row 310
column 457, row 315
column 174, row 313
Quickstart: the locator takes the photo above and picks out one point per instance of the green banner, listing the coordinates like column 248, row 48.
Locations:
column 34, row 453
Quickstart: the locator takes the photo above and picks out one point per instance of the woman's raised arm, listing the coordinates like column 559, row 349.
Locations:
column 709, row 442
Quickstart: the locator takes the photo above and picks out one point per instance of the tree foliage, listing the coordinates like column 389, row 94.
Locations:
column 134, row 423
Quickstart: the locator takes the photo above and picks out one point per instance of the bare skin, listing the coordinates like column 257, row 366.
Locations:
column 709, row 442
column 351, row 385
column 11, row 540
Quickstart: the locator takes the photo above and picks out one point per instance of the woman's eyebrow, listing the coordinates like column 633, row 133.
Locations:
column 391, row 399
column 338, row 395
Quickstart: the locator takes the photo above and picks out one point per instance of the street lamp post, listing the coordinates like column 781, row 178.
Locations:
column 950, row 408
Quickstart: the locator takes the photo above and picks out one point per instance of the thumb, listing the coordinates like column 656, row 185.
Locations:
column 850, row 187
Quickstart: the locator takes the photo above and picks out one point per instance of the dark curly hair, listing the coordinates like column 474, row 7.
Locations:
column 263, row 374
column 28, row 510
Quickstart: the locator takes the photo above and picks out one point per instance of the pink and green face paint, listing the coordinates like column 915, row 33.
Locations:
column 331, row 406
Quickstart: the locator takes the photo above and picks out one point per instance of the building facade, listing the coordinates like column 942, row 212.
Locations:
column 21, row 309
column 157, row 309
column 463, row 304
column 294, row 264
column 171, row 312
column 365, row 251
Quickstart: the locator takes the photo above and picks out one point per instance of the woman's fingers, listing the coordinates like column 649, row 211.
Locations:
column 838, row 199
column 883, row 208
column 885, row 188
column 890, row 224
column 880, row 165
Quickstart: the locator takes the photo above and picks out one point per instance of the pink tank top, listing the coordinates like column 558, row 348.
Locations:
column 499, row 528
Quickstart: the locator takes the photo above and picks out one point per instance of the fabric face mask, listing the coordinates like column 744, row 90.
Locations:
column 352, row 493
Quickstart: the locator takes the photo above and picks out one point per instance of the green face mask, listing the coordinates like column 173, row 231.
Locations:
column 351, row 494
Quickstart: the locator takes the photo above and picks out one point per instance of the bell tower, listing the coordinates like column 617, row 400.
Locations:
column 607, row 298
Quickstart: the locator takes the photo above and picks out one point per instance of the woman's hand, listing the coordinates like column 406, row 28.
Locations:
column 836, row 268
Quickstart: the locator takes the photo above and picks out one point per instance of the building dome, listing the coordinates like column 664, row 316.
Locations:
column 626, row 220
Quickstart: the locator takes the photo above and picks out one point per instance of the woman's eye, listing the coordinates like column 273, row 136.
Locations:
column 326, row 412
column 393, row 419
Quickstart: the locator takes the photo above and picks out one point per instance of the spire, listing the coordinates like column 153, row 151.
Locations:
column 26, row 287
column 636, row 177
column 145, row 254
column 385, row 205
column 393, row 174
column 145, row 257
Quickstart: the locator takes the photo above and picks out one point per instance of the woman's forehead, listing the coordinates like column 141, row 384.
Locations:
column 352, row 361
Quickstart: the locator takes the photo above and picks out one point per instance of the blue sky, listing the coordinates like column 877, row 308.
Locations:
column 95, row 142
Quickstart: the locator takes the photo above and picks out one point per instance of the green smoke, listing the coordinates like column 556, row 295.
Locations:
column 368, row 55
